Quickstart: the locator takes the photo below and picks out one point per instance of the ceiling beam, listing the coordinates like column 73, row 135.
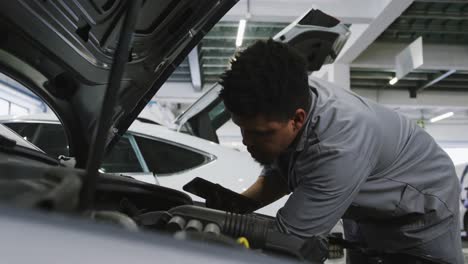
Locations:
column 181, row 70
column 446, row 85
column 438, row 57
column 195, row 69
column 378, row 84
column 371, row 75
column 178, row 79
column 367, row 35
column 436, row 79
column 428, row 99
column 458, row 78
column 233, row 25
column 226, row 50
column 233, row 38
column 386, row 75
column 347, row 11
column 431, row 38
column 426, row 31
column 443, row 16
column 228, row 42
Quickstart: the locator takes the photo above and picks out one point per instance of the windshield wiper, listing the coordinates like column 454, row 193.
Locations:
column 99, row 141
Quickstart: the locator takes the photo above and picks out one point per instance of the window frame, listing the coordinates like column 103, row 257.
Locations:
column 137, row 151
column 127, row 135
column 209, row 158
column 38, row 122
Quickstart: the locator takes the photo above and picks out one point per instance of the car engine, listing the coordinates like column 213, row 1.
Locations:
column 31, row 182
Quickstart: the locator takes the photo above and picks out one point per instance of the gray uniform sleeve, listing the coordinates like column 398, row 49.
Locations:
column 328, row 184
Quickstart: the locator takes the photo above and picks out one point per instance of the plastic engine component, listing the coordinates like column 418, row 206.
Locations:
column 194, row 225
column 260, row 232
column 176, row 223
column 212, row 228
column 231, row 224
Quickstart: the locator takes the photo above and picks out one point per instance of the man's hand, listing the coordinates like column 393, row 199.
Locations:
column 218, row 197
column 266, row 190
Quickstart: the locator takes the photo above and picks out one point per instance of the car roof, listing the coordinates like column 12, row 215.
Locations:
column 140, row 128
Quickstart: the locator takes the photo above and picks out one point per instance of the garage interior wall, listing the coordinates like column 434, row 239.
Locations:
column 15, row 99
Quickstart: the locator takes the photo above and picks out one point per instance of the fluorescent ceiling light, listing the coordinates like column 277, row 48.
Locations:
column 393, row 81
column 240, row 32
column 444, row 116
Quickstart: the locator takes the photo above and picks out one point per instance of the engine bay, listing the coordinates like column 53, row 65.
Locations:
column 136, row 206
column 142, row 207
column 156, row 208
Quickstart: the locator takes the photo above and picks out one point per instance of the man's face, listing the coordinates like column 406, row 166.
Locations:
column 266, row 139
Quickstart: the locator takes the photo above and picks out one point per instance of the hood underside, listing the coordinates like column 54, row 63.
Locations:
column 63, row 51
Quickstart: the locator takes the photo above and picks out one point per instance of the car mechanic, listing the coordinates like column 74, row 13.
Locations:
column 340, row 155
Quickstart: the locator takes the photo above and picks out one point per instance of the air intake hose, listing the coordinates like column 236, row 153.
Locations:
column 260, row 231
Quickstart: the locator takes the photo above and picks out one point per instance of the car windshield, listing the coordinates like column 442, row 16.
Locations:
column 6, row 132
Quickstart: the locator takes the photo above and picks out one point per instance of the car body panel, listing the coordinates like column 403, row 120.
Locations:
column 72, row 240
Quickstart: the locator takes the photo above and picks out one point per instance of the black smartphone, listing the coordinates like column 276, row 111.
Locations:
column 200, row 187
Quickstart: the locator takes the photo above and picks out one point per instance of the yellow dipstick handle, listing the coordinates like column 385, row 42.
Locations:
column 243, row 241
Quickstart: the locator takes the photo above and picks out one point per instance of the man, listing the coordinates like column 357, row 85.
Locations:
column 341, row 156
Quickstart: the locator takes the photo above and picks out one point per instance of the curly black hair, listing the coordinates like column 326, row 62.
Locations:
column 268, row 78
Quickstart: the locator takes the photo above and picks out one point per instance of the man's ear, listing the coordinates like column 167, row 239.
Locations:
column 299, row 118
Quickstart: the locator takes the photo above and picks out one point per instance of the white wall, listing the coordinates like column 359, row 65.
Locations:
column 450, row 135
column 459, row 156
column 453, row 138
column 13, row 102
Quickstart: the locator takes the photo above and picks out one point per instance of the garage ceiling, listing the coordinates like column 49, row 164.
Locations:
column 415, row 81
column 380, row 31
column 218, row 47
column 438, row 22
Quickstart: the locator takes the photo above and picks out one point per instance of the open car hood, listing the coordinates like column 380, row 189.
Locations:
column 63, row 51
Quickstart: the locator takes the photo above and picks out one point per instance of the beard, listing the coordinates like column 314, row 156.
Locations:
column 262, row 159
column 263, row 163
